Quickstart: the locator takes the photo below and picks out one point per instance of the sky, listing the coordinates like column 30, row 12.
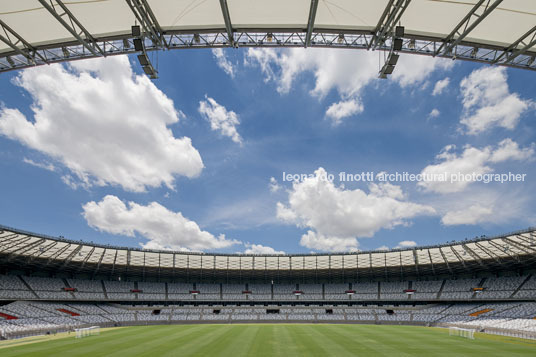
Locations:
column 268, row 151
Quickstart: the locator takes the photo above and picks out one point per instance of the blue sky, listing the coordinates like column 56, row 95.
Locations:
column 96, row 152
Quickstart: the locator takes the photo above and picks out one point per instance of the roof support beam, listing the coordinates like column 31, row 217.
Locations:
column 446, row 260
column 531, row 242
column 17, row 242
column 71, row 256
column 73, row 25
column 42, row 250
column 8, row 238
column 505, row 248
column 8, row 36
column 431, row 261
column 488, row 252
column 468, row 23
column 148, row 21
column 311, row 22
column 512, row 51
column 458, row 256
column 227, row 20
column 390, row 17
column 24, row 249
column 86, row 259
column 416, row 259
column 99, row 263
column 58, row 253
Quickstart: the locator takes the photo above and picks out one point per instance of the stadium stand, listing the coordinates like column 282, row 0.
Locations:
column 49, row 296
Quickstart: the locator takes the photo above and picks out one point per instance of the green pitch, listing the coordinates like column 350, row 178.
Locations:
column 272, row 340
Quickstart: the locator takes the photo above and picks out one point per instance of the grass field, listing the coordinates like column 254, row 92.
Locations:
column 270, row 340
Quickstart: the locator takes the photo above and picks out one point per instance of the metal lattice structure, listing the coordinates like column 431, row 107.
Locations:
column 35, row 252
column 37, row 32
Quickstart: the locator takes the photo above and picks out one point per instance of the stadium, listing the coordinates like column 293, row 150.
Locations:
column 464, row 297
column 51, row 285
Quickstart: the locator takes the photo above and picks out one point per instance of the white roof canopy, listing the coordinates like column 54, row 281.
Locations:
column 34, row 32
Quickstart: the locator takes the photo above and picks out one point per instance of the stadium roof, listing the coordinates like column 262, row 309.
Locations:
column 34, row 32
column 27, row 250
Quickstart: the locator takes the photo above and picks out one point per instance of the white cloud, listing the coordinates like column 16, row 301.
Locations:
column 274, row 185
column 261, row 249
column 42, row 165
column 509, row 150
column 347, row 72
column 163, row 228
column 434, row 113
column 220, row 118
column 488, row 103
column 412, row 70
column 406, row 244
column 468, row 215
column 113, row 124
column 440, row 86
column 471, row 161
column 338, row 216
column 223, row 62
column 337, row 111
column 318, row 241
column 484, row 204
column 401, row 245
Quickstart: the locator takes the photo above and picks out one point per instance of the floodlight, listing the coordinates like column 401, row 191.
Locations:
column 197, row 39
column 136, row 31
column 269, row 37
column 138, row 44
column 397, row 44
column 126, row 44
column 399, row 31
column 65, row 52
column 148, row 70
column 393, row 59
column 340, row 39
column 144, row 61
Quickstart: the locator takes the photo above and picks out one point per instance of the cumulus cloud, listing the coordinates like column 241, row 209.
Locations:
column 42, row 165
column 401, row 245
column 412, row 70
column 337, row 216
column 484, row 204
column 434, row 113
column 468, row 215
column 220, row 119
column 406, row 244
column 471, row 160
column 337, row 111
column 274, row 185
column 163, row 228
column 440, row 86
column 223, row 62
column 347, row 72
column 113, row 124
column 488, row 103
column 261, row 249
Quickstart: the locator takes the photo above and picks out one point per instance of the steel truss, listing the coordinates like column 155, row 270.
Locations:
column 71, row 24
column 148, row 22
column 428, row 46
